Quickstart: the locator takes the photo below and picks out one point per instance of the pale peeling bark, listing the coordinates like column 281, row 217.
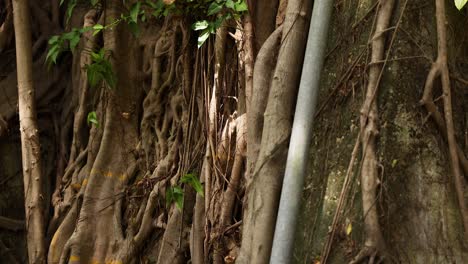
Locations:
column 31, row 150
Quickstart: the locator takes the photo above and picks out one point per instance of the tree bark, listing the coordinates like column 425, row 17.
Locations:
column 30, row 146
column 264, row 191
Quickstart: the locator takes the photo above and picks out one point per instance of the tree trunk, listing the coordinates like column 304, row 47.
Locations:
column 31, row 149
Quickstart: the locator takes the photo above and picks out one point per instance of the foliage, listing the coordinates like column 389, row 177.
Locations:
column 58, row 44
column 211, row 12
column 92, row 119
column 224, row 10
column 100, row 70
column 176, row 193
column 71, row 5
column 192, row 180
column 460, row 3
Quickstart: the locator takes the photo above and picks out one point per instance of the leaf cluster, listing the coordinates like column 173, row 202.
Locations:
column 100, row 70
column 92, row 119
column 217, row 12
column 176, row 193
column 208, row 14
column 64, row 42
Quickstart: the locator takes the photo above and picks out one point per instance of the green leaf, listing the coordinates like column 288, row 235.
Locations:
column 109, row 76
column 218, row 22
column 96, row 57
column 158, row 8
column 178, row 197
column 94, row 2
column 85, row 29
column 94, row 73
column 100, row 70
column 214, row 8
column 193, row 181
column 203, row 37
column 134, row 11
column 460, row 3
column 61, row 2
column 70, row 7
column 200, row 25
column 169, row 196
column 230, row 4
column 97, row 28
column 169, row 9
column 56, row 46
column 175, row 194
column 241, row 6
column 92, row 119
column 74, row 42
column 54, row 39
column 52, row 54
column 73, row 36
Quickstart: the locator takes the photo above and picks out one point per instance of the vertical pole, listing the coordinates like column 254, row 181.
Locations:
column 301, row 135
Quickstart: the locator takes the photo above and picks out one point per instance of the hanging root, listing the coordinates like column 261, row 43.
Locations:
column 445, row 123
column 374, row 245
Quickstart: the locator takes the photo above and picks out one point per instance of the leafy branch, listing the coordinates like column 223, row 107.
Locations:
column 223, row 10
column 100, row 70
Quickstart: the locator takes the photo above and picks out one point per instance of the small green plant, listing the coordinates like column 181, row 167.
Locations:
column 176, row 193
column 192, row 180
column 92, row 119
column 100, row 70
column 460, row 3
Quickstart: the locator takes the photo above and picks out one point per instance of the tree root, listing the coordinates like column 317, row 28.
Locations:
column 374, row 243
column 445, row 123
column 373, row 253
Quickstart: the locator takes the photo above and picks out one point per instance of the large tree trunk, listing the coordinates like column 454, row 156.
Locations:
column 31, row 149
